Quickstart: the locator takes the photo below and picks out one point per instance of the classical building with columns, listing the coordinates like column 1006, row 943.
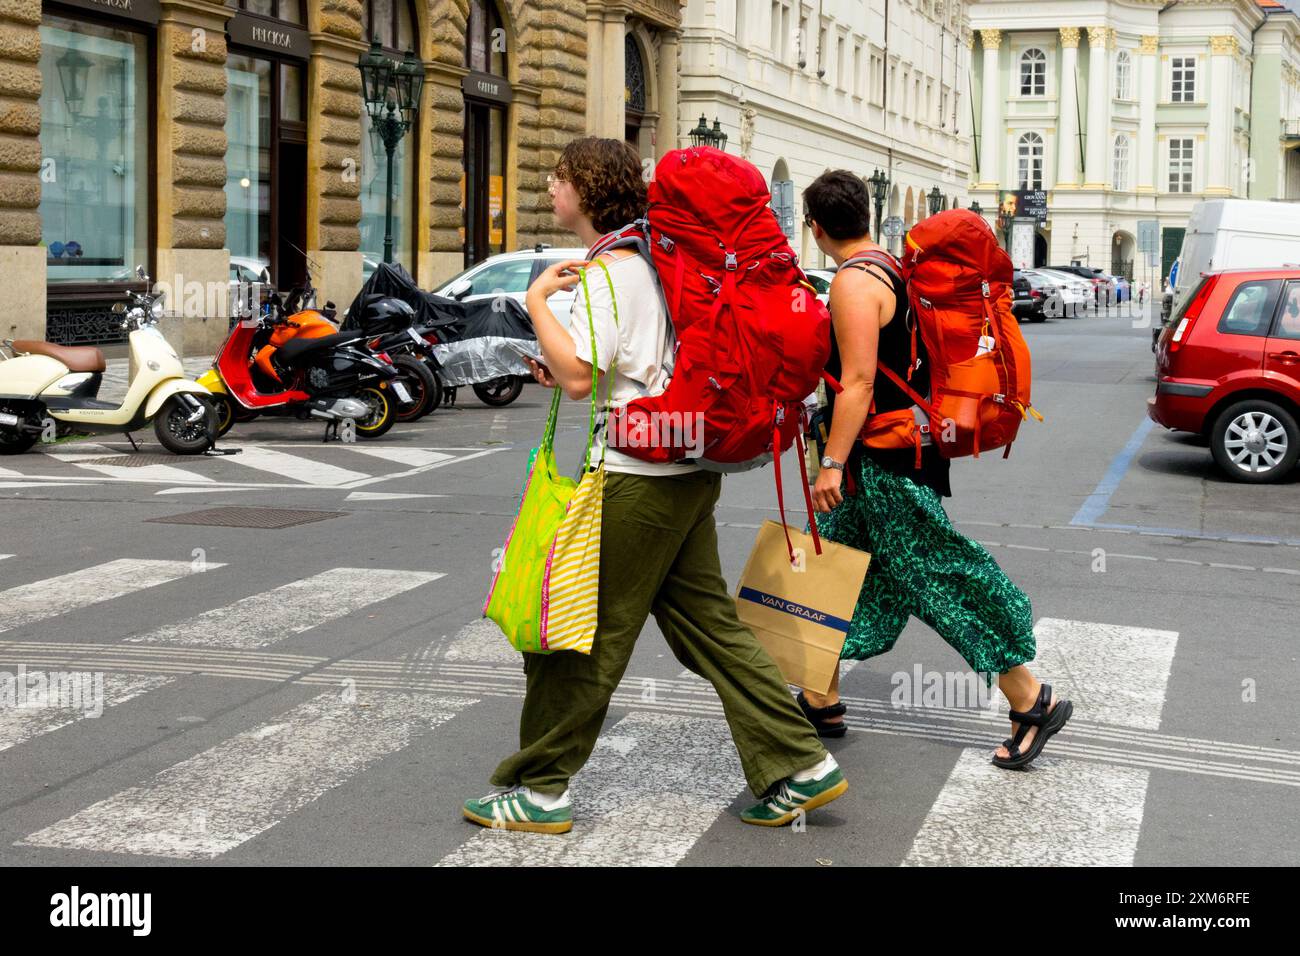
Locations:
column 210, row 139
column 800, row 87
column 1128, row 110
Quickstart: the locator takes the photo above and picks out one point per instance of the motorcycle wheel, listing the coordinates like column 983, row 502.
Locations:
column 438, row 388
column 227, row 415
column 15, row 443
column 382, row 415
column 500, row 391
column 419, row 381
column 178, row 434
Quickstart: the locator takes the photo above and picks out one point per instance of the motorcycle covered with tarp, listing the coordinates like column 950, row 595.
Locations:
column 481, row 343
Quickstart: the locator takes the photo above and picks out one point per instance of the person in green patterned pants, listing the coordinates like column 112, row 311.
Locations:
column 921, row 566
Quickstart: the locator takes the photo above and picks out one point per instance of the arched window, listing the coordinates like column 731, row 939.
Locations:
column 1119, row 171
column 634, row 92
column 1123, row 75
column 1033, row 73
column 1029, row 155
column 393, row 23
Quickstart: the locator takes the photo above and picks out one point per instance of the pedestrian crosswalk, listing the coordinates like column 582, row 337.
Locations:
column 302, row 465
column 664, row 772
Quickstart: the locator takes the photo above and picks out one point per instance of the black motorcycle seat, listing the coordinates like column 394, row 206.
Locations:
column 297, row 349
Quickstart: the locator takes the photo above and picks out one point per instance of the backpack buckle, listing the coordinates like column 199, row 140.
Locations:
column 1000, row 399
column 780, row 415
column 731, row 262
column 984, row 287
column 666, row 243
column 924, row 301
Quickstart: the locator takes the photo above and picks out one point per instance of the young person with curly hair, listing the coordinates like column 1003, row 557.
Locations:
column 659, row 544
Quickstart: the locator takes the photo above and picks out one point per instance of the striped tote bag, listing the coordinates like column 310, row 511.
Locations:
column 544, row 593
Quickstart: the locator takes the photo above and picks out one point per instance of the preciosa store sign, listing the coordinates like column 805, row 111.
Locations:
column 248, row 30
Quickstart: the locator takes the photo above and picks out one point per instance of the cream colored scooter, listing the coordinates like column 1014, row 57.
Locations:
column 48, row 391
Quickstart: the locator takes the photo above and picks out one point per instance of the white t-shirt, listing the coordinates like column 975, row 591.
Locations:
column 642, row 338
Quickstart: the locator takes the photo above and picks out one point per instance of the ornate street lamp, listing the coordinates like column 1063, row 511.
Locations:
column 718, row 137
column 975, row 208
column 389, row 87
column 701, row 136
column 879, row 184
column 936, row 200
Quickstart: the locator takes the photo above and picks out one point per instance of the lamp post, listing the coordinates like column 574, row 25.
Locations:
column 879, row 184
column 975, row 208
column 701, row 135
column 936, row 200
column 392, row 94
column 717, row 135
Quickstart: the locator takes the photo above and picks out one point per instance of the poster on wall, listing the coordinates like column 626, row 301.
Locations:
column 496, row 209
column 462, row 210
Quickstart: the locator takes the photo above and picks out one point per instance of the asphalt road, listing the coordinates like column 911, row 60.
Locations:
column 326, row 693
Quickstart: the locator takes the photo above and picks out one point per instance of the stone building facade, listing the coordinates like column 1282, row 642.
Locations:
column 202, row 138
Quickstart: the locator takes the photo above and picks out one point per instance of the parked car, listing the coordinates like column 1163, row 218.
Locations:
column 1228, row 367
column 511, row 273
column 1102, row 289
column 820, row 279
column 1027, row 298
column 1071, row 295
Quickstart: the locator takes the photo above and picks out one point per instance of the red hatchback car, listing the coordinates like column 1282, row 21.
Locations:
column 1228, row 366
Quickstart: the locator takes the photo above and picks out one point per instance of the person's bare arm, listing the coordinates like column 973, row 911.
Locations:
column 860, row 305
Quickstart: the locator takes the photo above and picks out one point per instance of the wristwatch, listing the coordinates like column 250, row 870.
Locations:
column 829, row 462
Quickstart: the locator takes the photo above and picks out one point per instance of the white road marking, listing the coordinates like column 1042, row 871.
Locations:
column 270, row 616
column 411, row 457
column 6, row 473
column 40, row 600
column 385, row 496
column 206, row 491
column 1113, row 674
column 19, row 724
column 655, row 783
column 43, row 484
column 5, row 556
column 146, row 473
column 301, row 469
column 77, row 451
column 1059, row 813
column 481, row 641
column 219, row 799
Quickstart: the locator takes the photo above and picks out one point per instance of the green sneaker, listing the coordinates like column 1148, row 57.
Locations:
column 514, row 809
column 791, row 796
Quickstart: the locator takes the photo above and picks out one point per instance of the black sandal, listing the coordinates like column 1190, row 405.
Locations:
column 817, row 717
column 1047, row 724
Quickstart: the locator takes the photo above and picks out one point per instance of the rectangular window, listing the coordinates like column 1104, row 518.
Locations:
column 841, row 64
column 1250, row 310
column 776, row 31
column 94, row 144
column 857, row 69
column 1183, row 79
column 1180, row 165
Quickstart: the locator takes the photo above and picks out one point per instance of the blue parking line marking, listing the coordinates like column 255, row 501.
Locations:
column 1097, row 503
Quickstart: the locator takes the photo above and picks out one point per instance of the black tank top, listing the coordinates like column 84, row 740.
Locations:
column 895, row 351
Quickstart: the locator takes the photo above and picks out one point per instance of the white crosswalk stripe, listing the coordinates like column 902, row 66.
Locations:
column 85, row 695
column 653, row 786
column 212, row 802
column 1066, row 812
column 295, row 467
column 270, row 616
column 411, row 457
column 51, row 597
column 4, row 557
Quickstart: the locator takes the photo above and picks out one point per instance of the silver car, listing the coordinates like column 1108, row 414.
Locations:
column 511, row 273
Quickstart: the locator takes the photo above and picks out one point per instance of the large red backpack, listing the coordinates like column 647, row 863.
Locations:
column 752, row 337
column 959, row 295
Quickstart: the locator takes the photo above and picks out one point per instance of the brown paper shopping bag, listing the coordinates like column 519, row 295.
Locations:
column 800, row 612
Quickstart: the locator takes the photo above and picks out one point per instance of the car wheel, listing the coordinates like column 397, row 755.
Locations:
column 1255, row 441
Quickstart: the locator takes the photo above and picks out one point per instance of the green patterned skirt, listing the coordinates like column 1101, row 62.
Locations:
column 921, row 566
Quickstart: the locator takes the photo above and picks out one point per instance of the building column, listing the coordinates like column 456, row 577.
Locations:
column 595, row 43
column 1098, row 112
column 992, row 131
column 1148, row 80
column 1218, row 177
column 1067, row 142
column 666, row 132
column 611, row 74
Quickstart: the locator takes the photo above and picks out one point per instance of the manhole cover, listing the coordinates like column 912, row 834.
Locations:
column 248, row 517
column 132, row 461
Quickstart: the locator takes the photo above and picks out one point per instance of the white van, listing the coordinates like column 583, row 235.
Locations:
column 1236, row 234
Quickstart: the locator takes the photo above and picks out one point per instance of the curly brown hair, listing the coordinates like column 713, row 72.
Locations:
column 606, row 173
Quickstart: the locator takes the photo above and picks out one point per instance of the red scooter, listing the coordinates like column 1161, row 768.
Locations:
column 291, row 362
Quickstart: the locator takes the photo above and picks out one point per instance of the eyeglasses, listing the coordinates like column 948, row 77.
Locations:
column 552, row 179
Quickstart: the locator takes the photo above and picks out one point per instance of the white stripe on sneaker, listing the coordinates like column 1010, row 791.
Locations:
column 664, row 778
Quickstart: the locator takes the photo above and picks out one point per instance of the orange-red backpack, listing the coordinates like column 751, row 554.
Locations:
column 959, row 291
